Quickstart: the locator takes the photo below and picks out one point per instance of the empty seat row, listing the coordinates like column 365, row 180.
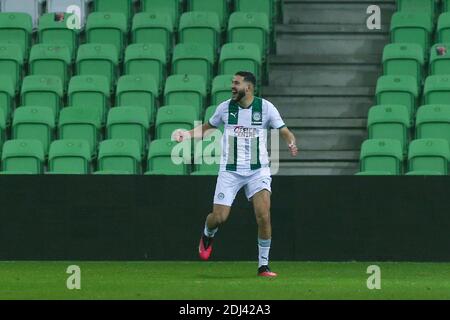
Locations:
column 385, row 157
column 93, row 92
column 33, row 122
column 392, row 122
column 102, row 59
column 403, row 90
column 116, row 156
column 112, row 28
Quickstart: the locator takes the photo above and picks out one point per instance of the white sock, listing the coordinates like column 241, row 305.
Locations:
column 208, row 232
column 263, row 248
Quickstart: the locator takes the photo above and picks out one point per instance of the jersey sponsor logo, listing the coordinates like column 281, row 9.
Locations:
column 244, row 132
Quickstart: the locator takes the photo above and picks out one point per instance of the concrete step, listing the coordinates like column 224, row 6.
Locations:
column 337, row 75
column 315, row 91
column 320, row 12
column 341, row 123
column 321, row 102
column 318, row 168
column 306, row 155
column 336, row 44
column 324, row 58
column 329, row 139
column 330, row 28
column 322, row 107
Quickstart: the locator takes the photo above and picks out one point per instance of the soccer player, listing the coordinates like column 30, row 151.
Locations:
column 244, row 161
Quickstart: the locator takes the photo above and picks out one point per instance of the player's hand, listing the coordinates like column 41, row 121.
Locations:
column 180, row 135
column 293, row 149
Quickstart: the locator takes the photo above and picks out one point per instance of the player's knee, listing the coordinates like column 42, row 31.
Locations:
column 263, row 216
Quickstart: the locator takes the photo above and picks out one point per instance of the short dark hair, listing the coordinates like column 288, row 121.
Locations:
column 248, row 76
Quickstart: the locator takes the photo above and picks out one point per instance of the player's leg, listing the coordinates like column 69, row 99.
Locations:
column 258, row 190
column 261, row 205
column 228, row 184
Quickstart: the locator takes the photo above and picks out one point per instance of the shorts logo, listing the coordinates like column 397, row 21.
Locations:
column 257, row 116
column 221, row 196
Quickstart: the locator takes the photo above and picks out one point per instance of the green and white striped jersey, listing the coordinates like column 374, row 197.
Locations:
column 244, row 141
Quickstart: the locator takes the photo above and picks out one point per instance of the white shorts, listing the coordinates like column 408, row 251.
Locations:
column 229, row 183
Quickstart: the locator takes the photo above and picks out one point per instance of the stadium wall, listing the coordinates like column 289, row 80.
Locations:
column 321, row 218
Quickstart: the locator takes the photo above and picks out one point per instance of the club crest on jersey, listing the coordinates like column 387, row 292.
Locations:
column 256, row 117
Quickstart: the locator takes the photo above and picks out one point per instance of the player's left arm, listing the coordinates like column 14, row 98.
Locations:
column 277, row 122
column 289, row 137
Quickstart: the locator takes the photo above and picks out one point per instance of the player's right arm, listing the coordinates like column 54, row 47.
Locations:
column 196, row 133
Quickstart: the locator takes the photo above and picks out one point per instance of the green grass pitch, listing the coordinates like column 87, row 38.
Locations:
column 223, row 280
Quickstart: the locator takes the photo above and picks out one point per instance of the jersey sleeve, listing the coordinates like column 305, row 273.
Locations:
column 217, row 118
column 275, row 118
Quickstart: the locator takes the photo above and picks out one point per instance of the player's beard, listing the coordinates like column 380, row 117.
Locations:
column 239, row 95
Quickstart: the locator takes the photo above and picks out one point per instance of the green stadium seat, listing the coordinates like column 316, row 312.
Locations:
column 80, row 123
column 381, row 155
column 51, row 60
column 236, row 57
column 219, row 7
column 207, row 157
column 16, row 28
column 437, row 90
column 262, row 6
column 112, row 172
column 90, row 91
column 445, row 5
column 440, row 63
column 389, row 122
column 148, row 59
column 160, row 160
column 424, row 173
column 398, row 90
column 193, row 59
column 374, row 173
column 124, row 7
column 424, row 6
column 250, row 27
column 415, row 27
column 98, row 59
column 403, row 59
column 186, row 90
column 169, row 7
column 153, row 28
column 107, row 28
column 200, row 27
column 11, row 62
column 433, row 122
column 221, row 89
column 129, row 123
column 138, row 91
column 119, row 156
column 23, row 156
column 69, row 157
column 34, row 123
column 79, row 9
column 429, row 155
column 45, row 91
column 57, row 33
column 443, row 28
column 7, row 96
column 209, row 112
column 171, row 118
column 3, row 124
